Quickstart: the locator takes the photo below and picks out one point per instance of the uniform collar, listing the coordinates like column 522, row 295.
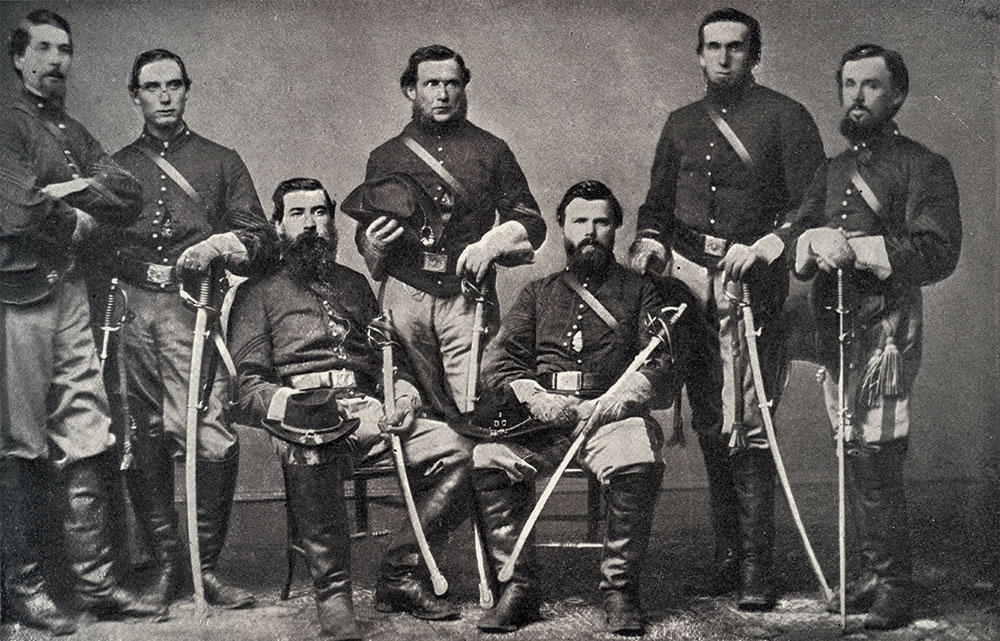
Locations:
column 50, row 108
column 885, row 138
column 182, row 136
column 730, row 96
column 434, row 129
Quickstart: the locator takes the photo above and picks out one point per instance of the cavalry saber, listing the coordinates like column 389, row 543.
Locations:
column 437, row 579
column 107, row 327
column 472, row 378
column 750, row 331
column 507, row 571
column 841, row 435
column 191, row 441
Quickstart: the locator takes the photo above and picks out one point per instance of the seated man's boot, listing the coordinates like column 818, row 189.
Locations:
column 443, row 503
column 151, row 488
column 503, row 508
column 88, row 541
column 216, row 487
column 24, row 493
column 755, row 486
column 631, row 499
column 315, row 495
column 859, row 595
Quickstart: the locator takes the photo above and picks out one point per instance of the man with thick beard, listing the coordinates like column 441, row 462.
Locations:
column 299, row 340
column 728, row 169
column 56, row 185
column 201, row 214
column 474, row 181
column 566, row 340
column 885, row 212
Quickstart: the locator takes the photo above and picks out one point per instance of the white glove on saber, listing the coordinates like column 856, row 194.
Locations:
column 198, row 257
column 625, row 398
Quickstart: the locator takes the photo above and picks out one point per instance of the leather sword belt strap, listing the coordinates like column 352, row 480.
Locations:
column 338, row 379
column 148, row 275
column 688, row 240
column 576, row 382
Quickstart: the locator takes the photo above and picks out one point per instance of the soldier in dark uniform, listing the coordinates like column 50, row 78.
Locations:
column 728, row 170
column 299, row 335
column 885, row 211
column 558, row 354
column 56, row 185
column 200, row 213
column 485, row 214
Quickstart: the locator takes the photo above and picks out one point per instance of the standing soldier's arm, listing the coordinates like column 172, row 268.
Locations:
column 654, row 226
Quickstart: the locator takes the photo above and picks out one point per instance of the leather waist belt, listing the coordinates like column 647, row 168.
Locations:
column 148, row 275
column 333, row 378
column 575, row 382
column 687, row 240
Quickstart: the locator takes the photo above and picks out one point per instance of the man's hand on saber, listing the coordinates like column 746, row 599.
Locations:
column 659, row 330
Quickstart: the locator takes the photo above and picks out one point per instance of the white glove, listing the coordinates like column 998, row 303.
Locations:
column 199, row 257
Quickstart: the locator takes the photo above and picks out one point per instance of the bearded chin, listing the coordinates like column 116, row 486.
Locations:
column 590, row 262
column 858, row 131
column 426, row 120
column 310, row 257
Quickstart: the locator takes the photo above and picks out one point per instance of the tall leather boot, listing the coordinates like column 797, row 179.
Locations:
column 24, row 497
column 631, row 499
column 724, row 509
column 503, row 509
column 315, row 495
column 876, row 480
column 215, row 491
column 443, row 503
column 151, row 488
column 89, row 542
column 755, row 486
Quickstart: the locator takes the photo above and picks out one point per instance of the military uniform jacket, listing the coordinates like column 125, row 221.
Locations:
column 280, row 328
column 41, row 145
column 171, row 221
column 699, row 183
column 920, row 223
column 485, row 167
column 551, row 329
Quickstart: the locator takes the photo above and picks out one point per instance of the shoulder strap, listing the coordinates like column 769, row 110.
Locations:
column 435, row 166
column 592, row 302
column 175, row 175
column 864, row 189
column 730, row 135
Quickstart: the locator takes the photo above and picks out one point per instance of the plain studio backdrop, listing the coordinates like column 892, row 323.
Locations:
column 579, row 90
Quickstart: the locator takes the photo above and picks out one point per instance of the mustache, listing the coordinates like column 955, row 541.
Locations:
column 54, row 74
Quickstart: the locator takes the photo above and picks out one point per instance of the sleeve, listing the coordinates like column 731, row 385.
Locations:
column 810, row 214
column 250, row 345
column 511, row 354
column 375, row 260
column 801, row 153
column 667, row 365
column 244, row 216
column 656, row 214
column 114, row 195
column 516, row 202
column 25, row 210
column 925, row 249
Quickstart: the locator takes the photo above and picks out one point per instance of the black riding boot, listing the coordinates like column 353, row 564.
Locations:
column 88, row 541
column 215, row 490
column 631, row 499
column 315, row 495
column 151, row 488
column 443, row 503
column 503, row 509
column 755, row 486
column 724, row 509
column 24, row 499
column 875, row 480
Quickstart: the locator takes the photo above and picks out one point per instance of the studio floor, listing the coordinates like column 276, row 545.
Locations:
column 954, row 599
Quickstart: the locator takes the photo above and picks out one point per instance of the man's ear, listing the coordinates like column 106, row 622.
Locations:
column 410, row 93
column 279, row 228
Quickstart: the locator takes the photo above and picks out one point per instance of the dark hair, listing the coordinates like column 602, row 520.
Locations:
column 19, row 37
column 590, row 190
column 431, row 52
column 734, row 15
column 154, row 55
column 893, row 62
column 297, row 184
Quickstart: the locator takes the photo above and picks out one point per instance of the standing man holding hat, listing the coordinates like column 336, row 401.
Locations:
column 480, row 212
column 308, row 373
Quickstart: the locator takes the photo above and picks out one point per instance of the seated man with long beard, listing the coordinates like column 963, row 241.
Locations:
column 308, row 374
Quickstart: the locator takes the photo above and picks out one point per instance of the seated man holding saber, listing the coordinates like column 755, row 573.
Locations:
column 308, row 374
column 563, row 353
